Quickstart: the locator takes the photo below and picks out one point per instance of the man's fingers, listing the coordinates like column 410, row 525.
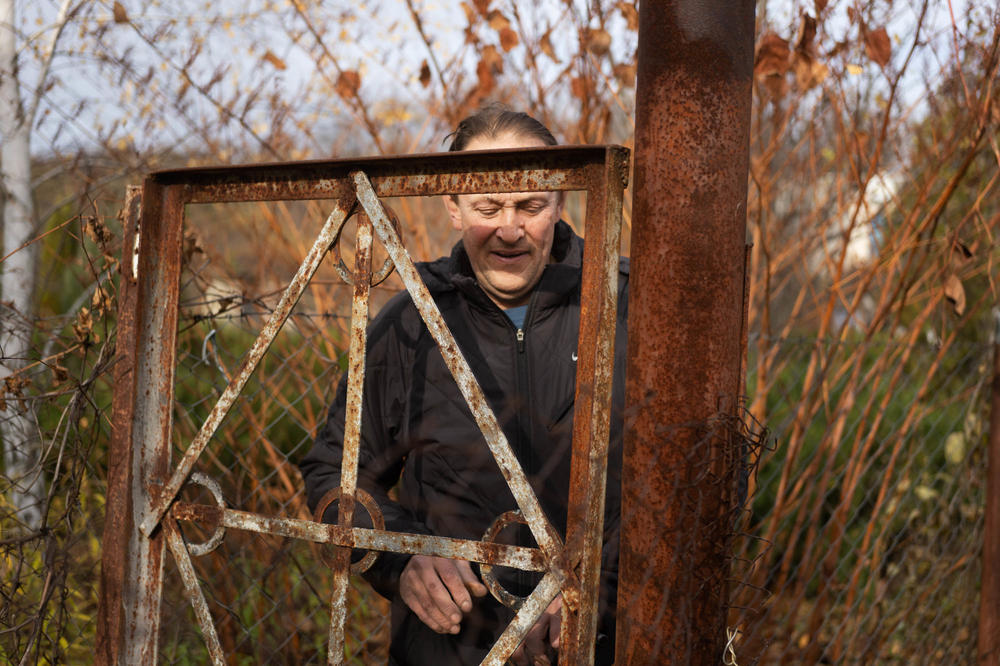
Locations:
column 534, row 642
column 534, row 649
column 518, row 658
column 456, row 594
column 422, row 590
column 472, row 583
column 415, row 596
column 555, row 622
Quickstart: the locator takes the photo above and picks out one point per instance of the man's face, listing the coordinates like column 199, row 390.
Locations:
column 508, row 237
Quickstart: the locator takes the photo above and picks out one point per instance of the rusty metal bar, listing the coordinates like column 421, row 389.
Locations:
column 260, row 346
column 592, row 412
column 545, row 535
column 989, row 599
column 352, row 432
column 526, row 616
column 132, row 571
column 551, row 168
column 119, row 522
column 518, row 557
column 192, row 590
column 695, row 62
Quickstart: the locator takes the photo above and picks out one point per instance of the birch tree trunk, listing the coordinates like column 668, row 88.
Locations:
column 21, row 445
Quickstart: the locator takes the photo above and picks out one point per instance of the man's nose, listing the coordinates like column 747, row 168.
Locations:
column 510, row 229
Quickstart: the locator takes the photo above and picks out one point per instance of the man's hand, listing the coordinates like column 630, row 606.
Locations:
column 437, row 590
column 540, row 645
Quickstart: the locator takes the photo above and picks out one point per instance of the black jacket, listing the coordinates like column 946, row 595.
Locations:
column 418, row 430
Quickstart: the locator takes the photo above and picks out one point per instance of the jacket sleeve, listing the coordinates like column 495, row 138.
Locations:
column 382, row 451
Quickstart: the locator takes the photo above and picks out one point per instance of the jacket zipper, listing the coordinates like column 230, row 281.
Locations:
column 523, row 450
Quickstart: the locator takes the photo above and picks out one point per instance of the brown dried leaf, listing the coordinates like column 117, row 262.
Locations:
column 809, row 72
column 597, row 40
column 625, row 74
column 348, row 84
column 14, row 385
column 470, row 13
column 59, row 373
column 776, row 85
column 493, row 58
column 546, row 46
column 489, row 65
column 487, row 82
column 878, row 47
column 274, row 60
column 97, row 232
column 630, row 13
column 581, row 87
column 838, row 48
column 482, row 6
column 121, row 16
column 962, row 253
column 955, row 293
column 425, row 74
column 508, row 39
column 807, row 36
column 497, row 20
column 820, row 6
column 83, row 327
column 773, row 55
column 100, row 301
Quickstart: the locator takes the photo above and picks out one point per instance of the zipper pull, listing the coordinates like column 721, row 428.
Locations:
column 520, row 339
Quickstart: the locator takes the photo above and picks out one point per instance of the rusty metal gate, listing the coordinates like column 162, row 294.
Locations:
column 143, row 503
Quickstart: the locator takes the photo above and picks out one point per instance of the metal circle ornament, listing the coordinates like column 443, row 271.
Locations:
column 511, row 601
column 387, row 267
column 210, row 544
column 378, row 522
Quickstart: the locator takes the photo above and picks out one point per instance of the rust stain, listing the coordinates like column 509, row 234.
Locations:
column 693, row 97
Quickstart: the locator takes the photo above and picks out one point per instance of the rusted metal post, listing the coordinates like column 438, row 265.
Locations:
column 695, row 62
column 989, row 599
column 592, row 418
column 132, row 564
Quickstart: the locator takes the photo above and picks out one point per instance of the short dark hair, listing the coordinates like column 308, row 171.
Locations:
column 493, row 121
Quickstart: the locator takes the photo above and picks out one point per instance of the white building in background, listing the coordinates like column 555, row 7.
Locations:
column 858, row 244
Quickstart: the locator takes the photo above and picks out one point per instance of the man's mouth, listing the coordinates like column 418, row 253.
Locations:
column 508, row 256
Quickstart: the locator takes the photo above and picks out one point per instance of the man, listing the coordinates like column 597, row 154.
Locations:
column 510, row 293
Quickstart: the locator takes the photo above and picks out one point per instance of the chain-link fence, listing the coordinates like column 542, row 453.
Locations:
column 869, row 516
column 269, row 596
column 862, row 526
column 860, row 542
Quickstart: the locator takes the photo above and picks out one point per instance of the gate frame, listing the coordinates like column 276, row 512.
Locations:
column 142, row 510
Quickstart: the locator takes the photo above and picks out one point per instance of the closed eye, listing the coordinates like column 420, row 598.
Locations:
column 534, row 207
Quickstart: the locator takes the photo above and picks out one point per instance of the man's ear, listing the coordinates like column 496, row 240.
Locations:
column 451, row 204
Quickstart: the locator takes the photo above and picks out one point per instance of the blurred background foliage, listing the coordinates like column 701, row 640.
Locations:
column 872, row 211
